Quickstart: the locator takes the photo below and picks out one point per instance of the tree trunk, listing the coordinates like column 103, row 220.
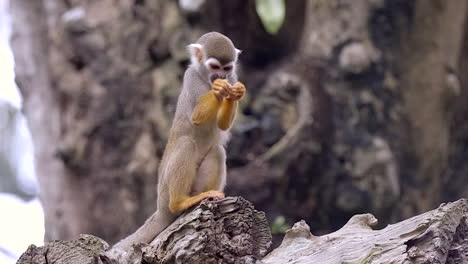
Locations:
column 206, row 235
column 429, row 82
column 353, row 106
column 85, row 74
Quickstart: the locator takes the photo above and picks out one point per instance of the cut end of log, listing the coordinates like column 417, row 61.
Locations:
column 86, row 249
column 216, row 231
column 229, row 230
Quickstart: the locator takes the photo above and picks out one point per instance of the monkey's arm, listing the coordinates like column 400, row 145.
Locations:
column 227, row 113
column 206, row 108
column 208, row 105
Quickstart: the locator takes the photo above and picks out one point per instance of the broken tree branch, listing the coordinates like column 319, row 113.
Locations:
column 232, row 231
column 438, row 236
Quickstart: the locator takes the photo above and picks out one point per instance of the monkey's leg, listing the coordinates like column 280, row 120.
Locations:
column 212, row 172
column 181, row 171
column 227, row 113
column 154, row 225
column 206, row 108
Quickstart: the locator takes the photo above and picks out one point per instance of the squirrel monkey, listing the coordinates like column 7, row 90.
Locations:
column 193, row 166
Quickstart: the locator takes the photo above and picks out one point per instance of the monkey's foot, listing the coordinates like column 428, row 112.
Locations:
column 191, row 201
column 212, row 194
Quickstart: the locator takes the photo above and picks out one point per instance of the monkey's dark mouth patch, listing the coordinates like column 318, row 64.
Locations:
column 215, row 76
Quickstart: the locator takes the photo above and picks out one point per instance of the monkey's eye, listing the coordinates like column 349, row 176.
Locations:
column 214, row 66
column 227, row 68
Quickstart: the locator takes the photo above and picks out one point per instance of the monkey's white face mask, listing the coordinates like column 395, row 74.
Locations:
column 217, row 70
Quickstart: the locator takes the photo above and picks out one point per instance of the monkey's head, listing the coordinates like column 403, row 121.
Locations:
column 215, row 55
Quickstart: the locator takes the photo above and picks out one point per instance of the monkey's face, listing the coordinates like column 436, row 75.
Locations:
column 217, row 70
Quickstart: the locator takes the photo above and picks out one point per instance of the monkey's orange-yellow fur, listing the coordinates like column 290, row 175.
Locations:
column 209, row 105
column 193, row 166
column 206, row 108
column 187, row 202
column 227, row 113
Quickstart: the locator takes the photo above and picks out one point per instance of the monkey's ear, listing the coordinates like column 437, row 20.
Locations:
column 238, row 52
column 196, row 55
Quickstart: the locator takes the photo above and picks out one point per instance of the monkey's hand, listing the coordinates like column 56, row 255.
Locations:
column 220, row 88
column 209, row 104
column 227, row 113
column 191, row 201
column 236, row 91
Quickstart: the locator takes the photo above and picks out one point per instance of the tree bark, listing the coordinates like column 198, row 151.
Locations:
column 221, row 231
column 437, row 236
column 231, row 231
column 30, row 46
column 429, row 82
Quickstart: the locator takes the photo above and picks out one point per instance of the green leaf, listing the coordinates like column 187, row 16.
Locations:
column 271, row 13
column 279, row 225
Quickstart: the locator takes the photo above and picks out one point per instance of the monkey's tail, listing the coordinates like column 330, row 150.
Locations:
column 154, row 225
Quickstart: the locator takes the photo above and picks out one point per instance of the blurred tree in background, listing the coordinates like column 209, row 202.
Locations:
column 353, row 106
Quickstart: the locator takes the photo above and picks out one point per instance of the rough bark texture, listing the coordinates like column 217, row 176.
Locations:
column 223, row 231
column 354, row 106
column 85, row 250
column 432, row 237
column 230, row 231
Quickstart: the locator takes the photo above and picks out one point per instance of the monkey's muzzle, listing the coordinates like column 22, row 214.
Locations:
column 215, row 76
